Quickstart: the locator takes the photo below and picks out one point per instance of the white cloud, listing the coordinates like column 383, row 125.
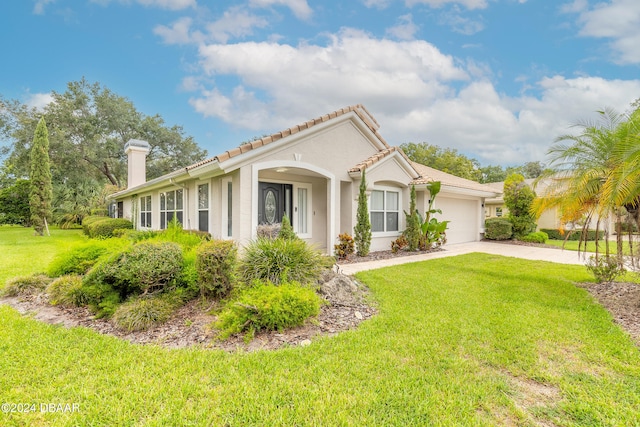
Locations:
column 300, row 8
column 378, row 4
column 162, row 4
column 38, row 100
column 617, row 20
column 415, row 92
column 405, row 28
column 235, row 22
column 469, row 4
column 303, row 80
column 461, row 24
column 178, row 33
column 38, row 8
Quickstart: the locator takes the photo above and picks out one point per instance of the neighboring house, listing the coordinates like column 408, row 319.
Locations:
column 550, row 219
column 495, row 207
column 311, row 172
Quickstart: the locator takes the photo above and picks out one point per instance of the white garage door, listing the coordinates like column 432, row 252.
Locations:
column 463, row 215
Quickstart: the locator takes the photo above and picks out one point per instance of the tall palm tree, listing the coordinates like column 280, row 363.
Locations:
column 585, row 169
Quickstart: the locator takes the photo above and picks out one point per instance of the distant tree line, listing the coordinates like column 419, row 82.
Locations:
column 451, row 161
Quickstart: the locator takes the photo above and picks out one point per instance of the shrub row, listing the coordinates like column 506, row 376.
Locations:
column 102, row 227
column 537, row 237
column 556, row 234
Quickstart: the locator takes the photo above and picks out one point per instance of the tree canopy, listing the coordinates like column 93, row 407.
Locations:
column 451, row 161
column 88, row 127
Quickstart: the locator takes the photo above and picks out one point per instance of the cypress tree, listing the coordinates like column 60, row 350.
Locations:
column 413, row 231
column 362, row 231
column 41, row 191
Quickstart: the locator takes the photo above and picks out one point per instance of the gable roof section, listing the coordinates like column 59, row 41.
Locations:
column 452, row 182
column 358, row 109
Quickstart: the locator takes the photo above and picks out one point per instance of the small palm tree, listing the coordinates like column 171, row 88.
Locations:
column 595, row 173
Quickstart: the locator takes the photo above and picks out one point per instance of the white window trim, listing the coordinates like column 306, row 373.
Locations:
column 296, row 225
column 400, row 216
column 225, row 207
column 148, row 209
column 208, row 208
column 167, row 210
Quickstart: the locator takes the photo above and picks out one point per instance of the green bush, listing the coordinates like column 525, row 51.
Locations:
column 91, row 219
column 279, row 260
column 216, row 263
column 102, row 298
column 68, row 291
column 144, row 267
column 268, row 307
column 604, row 268
column 556, row 234
column 25, row 285
column 537, row 237
column 141, row 313
column 79, row 259
column 104, row 229
column 286, row 230
column 498, row 229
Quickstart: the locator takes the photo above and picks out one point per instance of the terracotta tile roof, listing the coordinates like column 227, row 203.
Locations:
column 370, row 161
column 428, row 174
column 358, row 109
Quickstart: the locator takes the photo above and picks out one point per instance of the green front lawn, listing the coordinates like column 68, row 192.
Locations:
column 572, row 245
column 468, row 341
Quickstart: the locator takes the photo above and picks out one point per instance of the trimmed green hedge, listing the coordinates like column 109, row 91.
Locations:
column 498, row 229
column 104, row 229
column 555, row 234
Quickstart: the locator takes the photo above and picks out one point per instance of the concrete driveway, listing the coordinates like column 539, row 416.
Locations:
column 518, row 251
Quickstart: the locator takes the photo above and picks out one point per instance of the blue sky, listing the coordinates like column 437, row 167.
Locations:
column 497, row 80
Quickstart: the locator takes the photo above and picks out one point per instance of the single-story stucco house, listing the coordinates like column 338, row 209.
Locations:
column 312, row 173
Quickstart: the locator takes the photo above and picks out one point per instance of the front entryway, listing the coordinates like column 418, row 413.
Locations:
column 274, row 201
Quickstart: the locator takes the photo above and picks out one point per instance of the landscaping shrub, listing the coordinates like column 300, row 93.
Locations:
column 68, row 291
column 104, row 229
column 537, row 237
column 25, row 285
column 498, row 229
column 139, row 314
column 279, row 260
column 80, row 259
column 102, row 298
column 268, row 307
column 345, row 247
column 142, row 268
column 604, row 268
column 216, row 263
column 556, row 234
column 91, row 219
column 286, row 230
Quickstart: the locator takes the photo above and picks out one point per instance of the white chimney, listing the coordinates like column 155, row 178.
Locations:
column 136, row 151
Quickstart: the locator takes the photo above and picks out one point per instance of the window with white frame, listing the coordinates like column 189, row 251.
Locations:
column 303, row 210
column 203, row 207
column 227, row 207
column 498, row 212
column 171, row 205
column 145, row 211
column 384, row 207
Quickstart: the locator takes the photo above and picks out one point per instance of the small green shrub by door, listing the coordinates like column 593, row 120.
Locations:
column 279, row 260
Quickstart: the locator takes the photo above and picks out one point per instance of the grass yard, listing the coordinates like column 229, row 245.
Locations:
column 572, row 245
column 474, row 340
